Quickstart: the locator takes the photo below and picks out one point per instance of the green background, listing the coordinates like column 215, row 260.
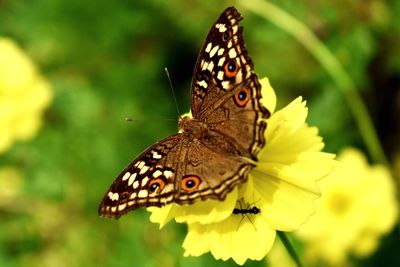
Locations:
column 105, row 61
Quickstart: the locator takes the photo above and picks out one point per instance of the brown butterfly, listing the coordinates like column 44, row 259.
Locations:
column 213, row 151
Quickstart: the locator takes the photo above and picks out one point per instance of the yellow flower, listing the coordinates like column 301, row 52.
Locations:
column 282, row 186
column 357, row 206
column 23, row 95
column 279, row 256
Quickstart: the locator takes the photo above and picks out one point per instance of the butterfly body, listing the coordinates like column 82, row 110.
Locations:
column 216, row 148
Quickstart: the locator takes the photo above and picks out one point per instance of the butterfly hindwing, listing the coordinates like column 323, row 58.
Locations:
column 176, row 169
column 239, row 115
column 208, row 174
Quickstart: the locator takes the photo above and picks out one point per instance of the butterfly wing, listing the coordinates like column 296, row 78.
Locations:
column 147, row 181
column 226, row 93
column 176, row 169
column 205, row 173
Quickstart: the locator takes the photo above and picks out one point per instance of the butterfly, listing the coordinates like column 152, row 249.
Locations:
column 213, row 151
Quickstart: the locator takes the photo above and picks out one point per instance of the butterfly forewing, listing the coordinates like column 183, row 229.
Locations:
column 223, row 49
column 225, row 90
column 149, row 180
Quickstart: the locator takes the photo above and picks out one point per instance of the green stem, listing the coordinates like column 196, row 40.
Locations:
column 321, row 53
column 289, row 248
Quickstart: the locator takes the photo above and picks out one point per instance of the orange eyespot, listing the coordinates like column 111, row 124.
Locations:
column 231, row 68
column 190, row 183
column 242, row 97
column 156, row 185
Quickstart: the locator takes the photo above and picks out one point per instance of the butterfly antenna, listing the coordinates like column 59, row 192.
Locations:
column 172, row 90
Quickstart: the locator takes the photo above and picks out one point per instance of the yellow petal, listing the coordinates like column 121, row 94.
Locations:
column 268, row 99
column 208, row 211
column 289, row 166
column 202, row 211
column 235, row 237
column 161, row 215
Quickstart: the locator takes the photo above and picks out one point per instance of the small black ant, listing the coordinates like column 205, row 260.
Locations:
column 253, row 210
column 244, row 212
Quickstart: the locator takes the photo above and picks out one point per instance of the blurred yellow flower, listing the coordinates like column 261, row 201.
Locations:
column 357, row 206
column 282, row 187
column 11, row 184
column 23, row 95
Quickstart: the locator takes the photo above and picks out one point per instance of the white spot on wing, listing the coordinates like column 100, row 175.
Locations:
column 221, row 27
column 122, row 207
column 235, row 29
column 210, row 66
column 220, row 75
column 168, row 174
column 225, row 84
column 156, row 155
column 239, row 78
column 135, row 184
column 144, row 169
column 214, row 50
column 113, row 196
column 145, row 180
column 235, row 39
column 126, row 176
column 142, row 193
column 132, row 179
column 204, row 66
column 202, row 84
column 156, row 173
column 232, row 53
column 208, row 47
column 140, row 164
column 221, row 51
column 221, row 61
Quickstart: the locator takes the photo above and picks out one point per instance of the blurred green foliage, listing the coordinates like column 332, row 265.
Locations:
column 105, row 60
